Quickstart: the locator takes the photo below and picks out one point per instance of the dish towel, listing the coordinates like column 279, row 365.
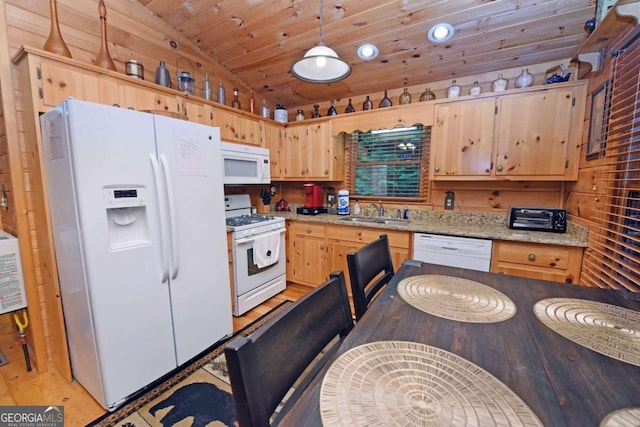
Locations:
column 266, row 249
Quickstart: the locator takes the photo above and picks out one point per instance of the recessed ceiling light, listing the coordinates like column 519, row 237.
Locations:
column 368, row 51
column 441, row 32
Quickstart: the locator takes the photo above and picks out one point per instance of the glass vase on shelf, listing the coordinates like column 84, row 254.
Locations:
column 316, row 111
column 453, row 91
column 525, row 79
column 367, row 104
column 386, row 101
column 350, row 108
column 405, row 97
column 252, row 103
column 499, row 84
column 266, row 112
column 221, row 94
column 206, row 87
column 475, row 89
column 427, row 95
column 332, row 110
column 236, row 102
column 300, row 115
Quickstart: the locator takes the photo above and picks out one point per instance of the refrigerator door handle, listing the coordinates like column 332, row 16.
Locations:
column 172, row 216
column 164, row 238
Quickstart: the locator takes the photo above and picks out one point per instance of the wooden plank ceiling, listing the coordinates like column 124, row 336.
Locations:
column 258, row 40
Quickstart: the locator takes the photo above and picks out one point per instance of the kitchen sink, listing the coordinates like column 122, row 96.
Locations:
column 374, row 220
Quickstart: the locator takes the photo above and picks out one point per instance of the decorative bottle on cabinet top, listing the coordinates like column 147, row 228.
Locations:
column 206, row 87
column 367, row 104
column 525, row 79
column 221, row 94
column 427, row 95
column 475, row 89
column 236, row 101
column 499, row 84
column 332, row 110
column 252, row 103
column 350, row 108
column 55, row 43
column 453, row 91
column 316, row 111
column 405, row 97
column 103, row 58
column 385, row 102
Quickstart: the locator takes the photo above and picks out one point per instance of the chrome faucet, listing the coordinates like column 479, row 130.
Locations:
column 380, row 208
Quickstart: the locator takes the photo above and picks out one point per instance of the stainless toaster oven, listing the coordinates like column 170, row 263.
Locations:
column 537, row 219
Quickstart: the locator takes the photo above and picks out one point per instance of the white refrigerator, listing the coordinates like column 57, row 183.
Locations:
column 137, row 211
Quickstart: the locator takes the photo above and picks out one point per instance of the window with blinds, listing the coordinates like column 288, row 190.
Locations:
column 613, row 258
column 389, row 163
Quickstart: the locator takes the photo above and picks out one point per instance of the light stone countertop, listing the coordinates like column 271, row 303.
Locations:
column 465, row 224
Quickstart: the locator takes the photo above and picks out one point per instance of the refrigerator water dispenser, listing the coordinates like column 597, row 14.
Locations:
column 126, row 217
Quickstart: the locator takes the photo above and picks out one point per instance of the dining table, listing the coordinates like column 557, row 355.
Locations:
column 562, row 382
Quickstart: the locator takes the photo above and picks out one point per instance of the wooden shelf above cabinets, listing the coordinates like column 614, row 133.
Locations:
column 621, row 19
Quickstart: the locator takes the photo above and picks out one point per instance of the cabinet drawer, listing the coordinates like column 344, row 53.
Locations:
column 548, row 256
column 307, row 229
column 398, row 239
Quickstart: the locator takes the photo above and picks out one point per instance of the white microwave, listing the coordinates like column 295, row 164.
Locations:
column 245, row 164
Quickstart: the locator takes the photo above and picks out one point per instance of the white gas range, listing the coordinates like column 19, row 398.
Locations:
column 259, row 259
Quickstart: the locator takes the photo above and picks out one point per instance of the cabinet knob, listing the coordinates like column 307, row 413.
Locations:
column 499, row 168
column 322, row 247
column 308, row 230
column 242, row 136
column 532, row 257
column 436, row 169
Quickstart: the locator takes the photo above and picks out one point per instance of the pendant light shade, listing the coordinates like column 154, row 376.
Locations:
column 320, row 64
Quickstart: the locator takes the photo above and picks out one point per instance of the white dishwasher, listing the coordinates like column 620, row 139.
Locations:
column 452, row 251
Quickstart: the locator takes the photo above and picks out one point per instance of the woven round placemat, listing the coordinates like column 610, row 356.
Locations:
column 456, row 298
column 626, row 417
column 607, row 329
column 389, row 383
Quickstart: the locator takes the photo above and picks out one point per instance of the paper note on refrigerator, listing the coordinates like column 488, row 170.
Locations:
column 190, row 155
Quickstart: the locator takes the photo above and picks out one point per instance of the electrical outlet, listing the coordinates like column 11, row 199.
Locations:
column 449, row 200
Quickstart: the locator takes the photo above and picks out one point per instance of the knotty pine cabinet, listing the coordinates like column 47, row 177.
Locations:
column 235, row 127
column 314, row 250
column 342, row 239
column 309, row 152
column 274, row 141
column 306, row 253
column 537, row 260
column 529, row 134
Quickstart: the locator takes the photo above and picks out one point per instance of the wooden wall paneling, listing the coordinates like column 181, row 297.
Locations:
column 497, row 196
column 35, row 332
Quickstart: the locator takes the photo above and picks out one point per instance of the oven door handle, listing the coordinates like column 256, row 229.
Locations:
column 252, row 238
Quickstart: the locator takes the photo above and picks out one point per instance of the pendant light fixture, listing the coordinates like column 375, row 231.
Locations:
column 321, row 63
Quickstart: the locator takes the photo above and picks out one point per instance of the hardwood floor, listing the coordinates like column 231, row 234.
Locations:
column 19, row 387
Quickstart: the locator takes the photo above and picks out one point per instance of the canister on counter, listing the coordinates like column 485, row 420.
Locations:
column 343, row 202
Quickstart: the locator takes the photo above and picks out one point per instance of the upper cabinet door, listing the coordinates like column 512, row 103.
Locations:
column 463, row 138
column 61, row 81
column 534, row 132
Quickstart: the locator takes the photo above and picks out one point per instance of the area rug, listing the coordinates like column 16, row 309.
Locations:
column 197, row 395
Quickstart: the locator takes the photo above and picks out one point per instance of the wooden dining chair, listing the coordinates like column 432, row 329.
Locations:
column 266, row 364
column 365, row 265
